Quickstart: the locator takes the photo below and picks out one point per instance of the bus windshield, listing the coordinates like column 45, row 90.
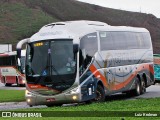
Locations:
column 51, row 62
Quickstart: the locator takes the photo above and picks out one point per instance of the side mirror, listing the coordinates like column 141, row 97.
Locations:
column 19, row 46
column 19, row 62
column 19, row 53
column 75, row 48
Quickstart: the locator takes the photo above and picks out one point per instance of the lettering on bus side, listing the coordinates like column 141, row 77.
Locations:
column 5, row 70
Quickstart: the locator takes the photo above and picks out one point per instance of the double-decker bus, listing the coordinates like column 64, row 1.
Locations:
column 12, row 68
column 157, row 67
column 78, row 61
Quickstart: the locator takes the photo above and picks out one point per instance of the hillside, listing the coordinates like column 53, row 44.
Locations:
column 22, row 18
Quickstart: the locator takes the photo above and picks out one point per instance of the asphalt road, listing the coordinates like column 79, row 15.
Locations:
column 152, row 92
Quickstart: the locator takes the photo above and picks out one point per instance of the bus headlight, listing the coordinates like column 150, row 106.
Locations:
column 28, row 100
column 74, row 97
column 23, row 81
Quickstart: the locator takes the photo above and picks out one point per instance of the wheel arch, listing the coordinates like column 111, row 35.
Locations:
column 144, row 77
column 139, row 77
column 99, row 82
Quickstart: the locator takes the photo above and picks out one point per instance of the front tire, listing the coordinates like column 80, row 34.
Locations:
column 7, row 84
column 100, row 94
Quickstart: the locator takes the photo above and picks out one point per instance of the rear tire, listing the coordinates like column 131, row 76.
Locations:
column 137, row 90
column 6, row 84
column 100, row 94
column 143, row 86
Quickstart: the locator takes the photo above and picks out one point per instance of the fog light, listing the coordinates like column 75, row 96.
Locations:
column 28, row 100
column 74, row 97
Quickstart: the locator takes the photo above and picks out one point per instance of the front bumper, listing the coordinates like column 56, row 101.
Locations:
column 37, row 99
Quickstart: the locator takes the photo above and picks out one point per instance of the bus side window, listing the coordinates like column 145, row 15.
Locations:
column 88, row 47
column 140, row 41
column 131, row 40
column 147, row 40
column 106, row 41
column 120, row 39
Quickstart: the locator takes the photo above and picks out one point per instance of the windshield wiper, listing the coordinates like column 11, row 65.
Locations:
column 51, row 67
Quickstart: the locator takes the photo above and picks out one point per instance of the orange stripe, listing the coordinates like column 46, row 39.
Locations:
column 101, row 77
column 36, row 87
column 33, row 86
column 121, row 85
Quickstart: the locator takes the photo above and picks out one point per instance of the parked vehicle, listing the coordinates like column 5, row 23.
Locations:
column 12, row 68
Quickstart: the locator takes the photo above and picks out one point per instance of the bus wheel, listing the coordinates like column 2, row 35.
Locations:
column 100, row 95
column 6, row 84
column 137, row 90
column 143, row 86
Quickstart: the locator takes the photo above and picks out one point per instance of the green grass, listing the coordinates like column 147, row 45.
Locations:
column 110, row 105
column 151, row 104
column 12, row 95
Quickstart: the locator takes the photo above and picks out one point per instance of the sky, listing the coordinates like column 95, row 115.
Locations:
column 144, row 6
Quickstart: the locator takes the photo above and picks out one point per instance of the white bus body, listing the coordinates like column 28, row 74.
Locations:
column 78, row 61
